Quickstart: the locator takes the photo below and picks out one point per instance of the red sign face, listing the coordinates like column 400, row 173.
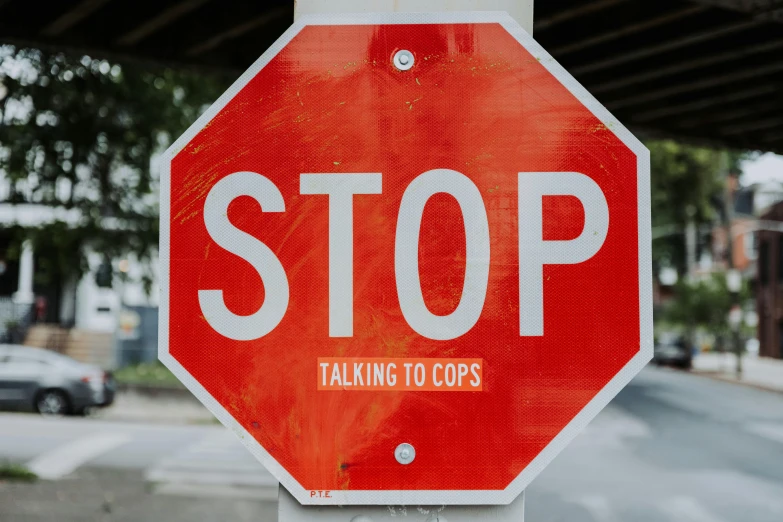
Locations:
column 406, row 259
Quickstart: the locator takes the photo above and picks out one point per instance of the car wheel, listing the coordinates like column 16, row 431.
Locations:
column 52, row 403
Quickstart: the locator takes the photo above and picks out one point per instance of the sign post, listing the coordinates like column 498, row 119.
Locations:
column 406, row 259
column 289, row 510
column 520, row 10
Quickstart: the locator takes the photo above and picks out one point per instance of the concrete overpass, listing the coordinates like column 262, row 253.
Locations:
column 709, row 71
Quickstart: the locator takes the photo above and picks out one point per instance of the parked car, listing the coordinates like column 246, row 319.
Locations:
column 32, row 379
column 673, row 350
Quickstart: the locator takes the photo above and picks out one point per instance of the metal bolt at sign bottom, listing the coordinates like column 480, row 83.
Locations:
column 403, row 60
column 404, row 453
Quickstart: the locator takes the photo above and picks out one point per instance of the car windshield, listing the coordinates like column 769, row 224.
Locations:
column 671, row 339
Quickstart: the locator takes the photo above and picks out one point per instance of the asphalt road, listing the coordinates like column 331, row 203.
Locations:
column 670, row 447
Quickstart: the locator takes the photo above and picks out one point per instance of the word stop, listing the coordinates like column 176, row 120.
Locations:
column 534, row 251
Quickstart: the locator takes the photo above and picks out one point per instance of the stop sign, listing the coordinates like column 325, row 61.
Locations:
column 406, row 258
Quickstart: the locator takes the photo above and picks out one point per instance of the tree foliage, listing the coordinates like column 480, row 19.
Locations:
column 687, row 182
column 700, row 303
column 703, row 303
column 77, row 135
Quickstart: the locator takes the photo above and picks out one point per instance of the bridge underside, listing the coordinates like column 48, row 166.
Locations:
column 708, row 71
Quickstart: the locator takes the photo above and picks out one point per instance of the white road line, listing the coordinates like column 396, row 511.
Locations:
column 597, row 506
column 687, row 509
column 216, row 465
column 247, row 465
column 232, row 478
column 213, row 491
column 64, row 459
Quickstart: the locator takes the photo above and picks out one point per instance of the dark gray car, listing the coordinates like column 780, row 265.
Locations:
column 32, row 379
column 673, row 349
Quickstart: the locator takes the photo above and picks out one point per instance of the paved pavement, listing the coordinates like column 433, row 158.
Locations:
column 671, row 447
column 763, row 372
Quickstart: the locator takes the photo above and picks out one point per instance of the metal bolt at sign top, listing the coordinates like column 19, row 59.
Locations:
column 404, row 453
column 403, row 60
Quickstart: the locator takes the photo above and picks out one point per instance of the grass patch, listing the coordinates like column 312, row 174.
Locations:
column 147, row 373
column 16, row 473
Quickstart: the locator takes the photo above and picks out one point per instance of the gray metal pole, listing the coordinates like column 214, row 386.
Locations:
column 520, row 10
column 289, row 510
column 735, row 296
column 691, row 240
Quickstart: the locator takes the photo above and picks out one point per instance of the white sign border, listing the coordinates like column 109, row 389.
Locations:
column 421, row 497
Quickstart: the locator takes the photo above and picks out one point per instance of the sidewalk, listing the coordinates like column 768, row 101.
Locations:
column 762, row 372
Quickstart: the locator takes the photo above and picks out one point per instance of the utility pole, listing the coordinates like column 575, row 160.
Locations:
column 289, row 509
column 691, row 240
column 733, row 278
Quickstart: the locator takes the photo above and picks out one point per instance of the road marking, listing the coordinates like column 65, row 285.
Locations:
column 260, row 478
column 215, row 466
column 64, row 459
column 597, row 507
column 216, row 491
column 687, row 509
column 770, row 431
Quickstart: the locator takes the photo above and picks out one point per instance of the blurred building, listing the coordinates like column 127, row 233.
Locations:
column 109, row 326
column 769, row 288
column 751, row 203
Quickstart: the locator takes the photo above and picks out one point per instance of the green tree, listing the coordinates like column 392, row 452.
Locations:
column 687, row 182
column 78, row 134
column 704, row 303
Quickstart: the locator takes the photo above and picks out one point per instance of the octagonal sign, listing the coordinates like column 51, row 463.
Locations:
column 405, row 258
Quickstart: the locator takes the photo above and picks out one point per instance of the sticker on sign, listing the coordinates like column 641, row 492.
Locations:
column 432, row 374
column 346, row 243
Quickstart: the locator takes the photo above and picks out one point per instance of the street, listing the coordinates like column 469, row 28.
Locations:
column 671, row 446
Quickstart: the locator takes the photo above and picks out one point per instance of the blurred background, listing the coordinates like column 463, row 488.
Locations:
column 92, row 91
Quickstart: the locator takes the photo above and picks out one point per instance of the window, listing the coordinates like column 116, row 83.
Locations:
column 749, row 244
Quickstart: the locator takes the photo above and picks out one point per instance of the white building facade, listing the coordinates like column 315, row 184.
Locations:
column 73, row 305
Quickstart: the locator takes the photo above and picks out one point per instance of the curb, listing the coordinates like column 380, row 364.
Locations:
column 718, row 376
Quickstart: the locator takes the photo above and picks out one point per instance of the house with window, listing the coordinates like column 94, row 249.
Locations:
column 106, row 325
column 769, row 285
column 751, row 204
